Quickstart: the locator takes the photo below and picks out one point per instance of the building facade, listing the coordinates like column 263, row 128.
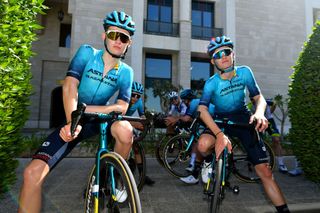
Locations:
column 170, row 42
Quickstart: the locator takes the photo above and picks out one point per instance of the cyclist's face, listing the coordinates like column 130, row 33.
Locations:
column 223, row 57
column 117, row 40
column 175, row 101
column 186, row 102
column 134, row 98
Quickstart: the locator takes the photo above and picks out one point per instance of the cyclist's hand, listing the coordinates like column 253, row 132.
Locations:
column 261, row 122
column 169, row 121
column 222, row 141
column 65, row 132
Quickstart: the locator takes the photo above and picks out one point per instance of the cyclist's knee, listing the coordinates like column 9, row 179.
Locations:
column 264, row 171
column 35, row 173
column 122, row 131
column 204, row 144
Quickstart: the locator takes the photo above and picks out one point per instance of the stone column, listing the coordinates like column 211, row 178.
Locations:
column 137, row 46
column 184, row 58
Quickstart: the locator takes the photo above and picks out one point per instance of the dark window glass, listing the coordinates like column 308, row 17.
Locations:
column 160, row 10
column 201, row 70
column 65, row 35
column 203, row 20
column 157, row 68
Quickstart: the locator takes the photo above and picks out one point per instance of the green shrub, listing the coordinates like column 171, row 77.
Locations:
column 17, row 26
column 304, row 107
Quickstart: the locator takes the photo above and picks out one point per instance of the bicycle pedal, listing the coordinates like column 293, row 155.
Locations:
column 236, row 190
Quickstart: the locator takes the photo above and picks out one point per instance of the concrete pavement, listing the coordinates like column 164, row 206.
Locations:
column 63, row 189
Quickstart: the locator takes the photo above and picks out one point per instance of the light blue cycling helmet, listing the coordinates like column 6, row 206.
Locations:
column 121, row 20
column 217, row 42
column 188, row 94
column 137, row 88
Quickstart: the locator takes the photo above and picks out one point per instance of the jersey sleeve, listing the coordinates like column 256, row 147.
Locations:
column 251, row 83
column 79, row 61
column 125, row 84
column 140, row 108
column 206, row 94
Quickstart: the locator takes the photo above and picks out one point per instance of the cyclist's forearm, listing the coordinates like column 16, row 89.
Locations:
column 207, row 119
column 120, row 106
column 261, row 104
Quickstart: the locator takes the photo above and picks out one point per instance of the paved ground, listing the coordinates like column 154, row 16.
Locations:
column 62, row 192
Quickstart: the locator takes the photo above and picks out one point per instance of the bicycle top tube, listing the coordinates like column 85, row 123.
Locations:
column 79, row 115
column 228, row 122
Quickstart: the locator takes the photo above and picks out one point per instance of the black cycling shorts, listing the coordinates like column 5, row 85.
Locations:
column 255, row 148
column 54, row 149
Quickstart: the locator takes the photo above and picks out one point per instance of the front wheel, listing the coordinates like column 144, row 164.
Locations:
column 175, row 156
column 117, row 189
column 217, row 187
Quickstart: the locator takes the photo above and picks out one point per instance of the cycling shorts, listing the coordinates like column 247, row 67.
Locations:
column 54, row 148
column 272, row 128
column 248, row 137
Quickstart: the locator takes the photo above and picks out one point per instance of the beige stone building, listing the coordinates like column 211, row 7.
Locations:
column 170, row 42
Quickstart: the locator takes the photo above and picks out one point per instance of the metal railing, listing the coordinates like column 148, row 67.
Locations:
column 205, row 33
column 161, row 28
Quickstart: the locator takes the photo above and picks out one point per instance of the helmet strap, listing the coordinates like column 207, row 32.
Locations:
column 114, row 55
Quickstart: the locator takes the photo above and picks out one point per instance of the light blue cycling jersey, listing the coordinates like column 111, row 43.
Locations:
column 192, row 109
column 228, row 96
column 136, row 106
column 87, row 66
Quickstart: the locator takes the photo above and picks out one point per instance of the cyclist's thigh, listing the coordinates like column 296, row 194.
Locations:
column 255, row 149
column 54, row 149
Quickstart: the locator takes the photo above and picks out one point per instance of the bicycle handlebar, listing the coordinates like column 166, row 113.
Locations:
column 79, row 114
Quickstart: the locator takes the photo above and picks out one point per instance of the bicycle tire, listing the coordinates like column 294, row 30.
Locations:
column 159, row 149
column 175, row 158
column 216, row 196
column 243, row 168
column 107, row 201
column 139, row 172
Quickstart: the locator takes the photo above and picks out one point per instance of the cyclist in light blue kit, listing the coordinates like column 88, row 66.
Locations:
column 226, row 90
column 93, row 77
column 136, row 104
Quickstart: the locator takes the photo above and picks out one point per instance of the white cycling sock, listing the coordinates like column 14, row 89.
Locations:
column 193, row 159
column 280, row 160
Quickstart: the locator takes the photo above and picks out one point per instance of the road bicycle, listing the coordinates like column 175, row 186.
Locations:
column 228, row 163
column 177, row 153
column 111, row 186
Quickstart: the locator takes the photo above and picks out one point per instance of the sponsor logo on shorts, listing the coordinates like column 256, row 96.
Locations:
column 46, row 143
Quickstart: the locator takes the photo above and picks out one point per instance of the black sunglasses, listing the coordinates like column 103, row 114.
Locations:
column 223, row 52
column 137, row 96
column 114, row 35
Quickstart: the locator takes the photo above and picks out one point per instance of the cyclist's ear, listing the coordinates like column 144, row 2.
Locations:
column 212, row 61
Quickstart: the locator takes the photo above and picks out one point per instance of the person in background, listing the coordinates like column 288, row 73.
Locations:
column 136, row 104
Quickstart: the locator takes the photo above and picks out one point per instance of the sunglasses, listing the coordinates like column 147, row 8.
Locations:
column 221, row 53
column 137, row 96
column 114, row 35
column 174, row 98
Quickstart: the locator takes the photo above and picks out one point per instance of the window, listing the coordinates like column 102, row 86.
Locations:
column 158, row 69
column 159, row 18
column 203, row 21
column 316, row 15
column 65, row 35
column 201, row 70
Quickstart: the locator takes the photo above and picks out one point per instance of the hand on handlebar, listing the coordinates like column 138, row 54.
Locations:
column 261, row 122
column 65, row 132
column 222, row 141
